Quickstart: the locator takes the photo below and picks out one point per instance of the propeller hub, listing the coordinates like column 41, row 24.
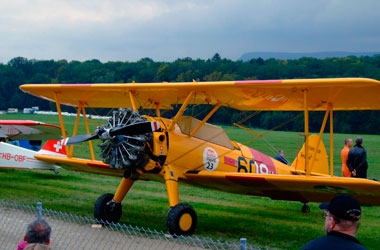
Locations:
column 120, row 149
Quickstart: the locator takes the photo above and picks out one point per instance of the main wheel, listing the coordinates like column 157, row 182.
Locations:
column 181, row 220
column 106, row 210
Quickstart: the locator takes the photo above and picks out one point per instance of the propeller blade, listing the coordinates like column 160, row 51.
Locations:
column 135, row 129
column 79, row 139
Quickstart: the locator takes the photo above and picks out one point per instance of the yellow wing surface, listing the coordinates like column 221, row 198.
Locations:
column 80, row 165
column 289, row 187
column 285, row 95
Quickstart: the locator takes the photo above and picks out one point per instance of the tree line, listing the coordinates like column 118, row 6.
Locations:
column 20, row 70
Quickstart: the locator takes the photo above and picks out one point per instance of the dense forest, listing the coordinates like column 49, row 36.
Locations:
column 21, row 70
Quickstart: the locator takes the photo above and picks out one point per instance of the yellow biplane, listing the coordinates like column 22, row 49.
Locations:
column 135, row 146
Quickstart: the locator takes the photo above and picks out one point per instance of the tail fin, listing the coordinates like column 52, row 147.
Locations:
column 317, row 158
column 53, row 147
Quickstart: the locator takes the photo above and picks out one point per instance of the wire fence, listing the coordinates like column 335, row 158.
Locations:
column 71, row 231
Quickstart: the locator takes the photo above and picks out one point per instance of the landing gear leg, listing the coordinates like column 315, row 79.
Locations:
column 171, row 182
column 123, row 188
column 182, row 218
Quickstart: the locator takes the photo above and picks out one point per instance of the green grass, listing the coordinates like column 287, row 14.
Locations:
column 265, row 223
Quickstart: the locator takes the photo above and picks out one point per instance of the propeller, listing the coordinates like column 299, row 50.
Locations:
column 108, row 133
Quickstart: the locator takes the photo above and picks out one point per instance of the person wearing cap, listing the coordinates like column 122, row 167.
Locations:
column 342, row 215
column 357, row 159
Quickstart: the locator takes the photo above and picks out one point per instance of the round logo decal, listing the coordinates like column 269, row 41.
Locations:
column 210, row 159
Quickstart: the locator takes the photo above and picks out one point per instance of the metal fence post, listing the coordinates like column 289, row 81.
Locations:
column 39, row 210
column 243, row 243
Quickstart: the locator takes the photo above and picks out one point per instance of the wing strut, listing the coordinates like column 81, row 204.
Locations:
column 158, row 113
column 85, row 120
column 331, row 140
column 133, row 101
column 195, row 130
column 75, row 130
column 323, row 126
column 329, row 112
column 63, row 129
column 181, row 110
column 306, row 121
column 58, row 105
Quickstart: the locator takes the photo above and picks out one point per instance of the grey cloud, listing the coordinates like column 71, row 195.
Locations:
column 167, row 30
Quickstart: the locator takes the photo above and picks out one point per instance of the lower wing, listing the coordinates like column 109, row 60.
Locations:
column 289, row 187
column 80, row 165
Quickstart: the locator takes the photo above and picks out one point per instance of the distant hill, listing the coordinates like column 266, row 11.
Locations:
column 288, row 55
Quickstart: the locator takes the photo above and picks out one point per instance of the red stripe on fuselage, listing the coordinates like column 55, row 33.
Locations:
column 262, row 161
column 230, row 161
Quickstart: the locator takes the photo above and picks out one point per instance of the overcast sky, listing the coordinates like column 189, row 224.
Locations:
column 165, row 30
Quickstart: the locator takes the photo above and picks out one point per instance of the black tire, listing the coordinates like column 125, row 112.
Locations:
column 181, row 220
column 107, row 213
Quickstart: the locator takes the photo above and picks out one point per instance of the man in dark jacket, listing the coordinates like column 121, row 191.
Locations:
column 281, row 157
column 357, row 160
column 342, row 215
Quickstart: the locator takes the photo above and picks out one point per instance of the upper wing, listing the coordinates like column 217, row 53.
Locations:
column 29, row 130
column 341, row 93
column 290, row 187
